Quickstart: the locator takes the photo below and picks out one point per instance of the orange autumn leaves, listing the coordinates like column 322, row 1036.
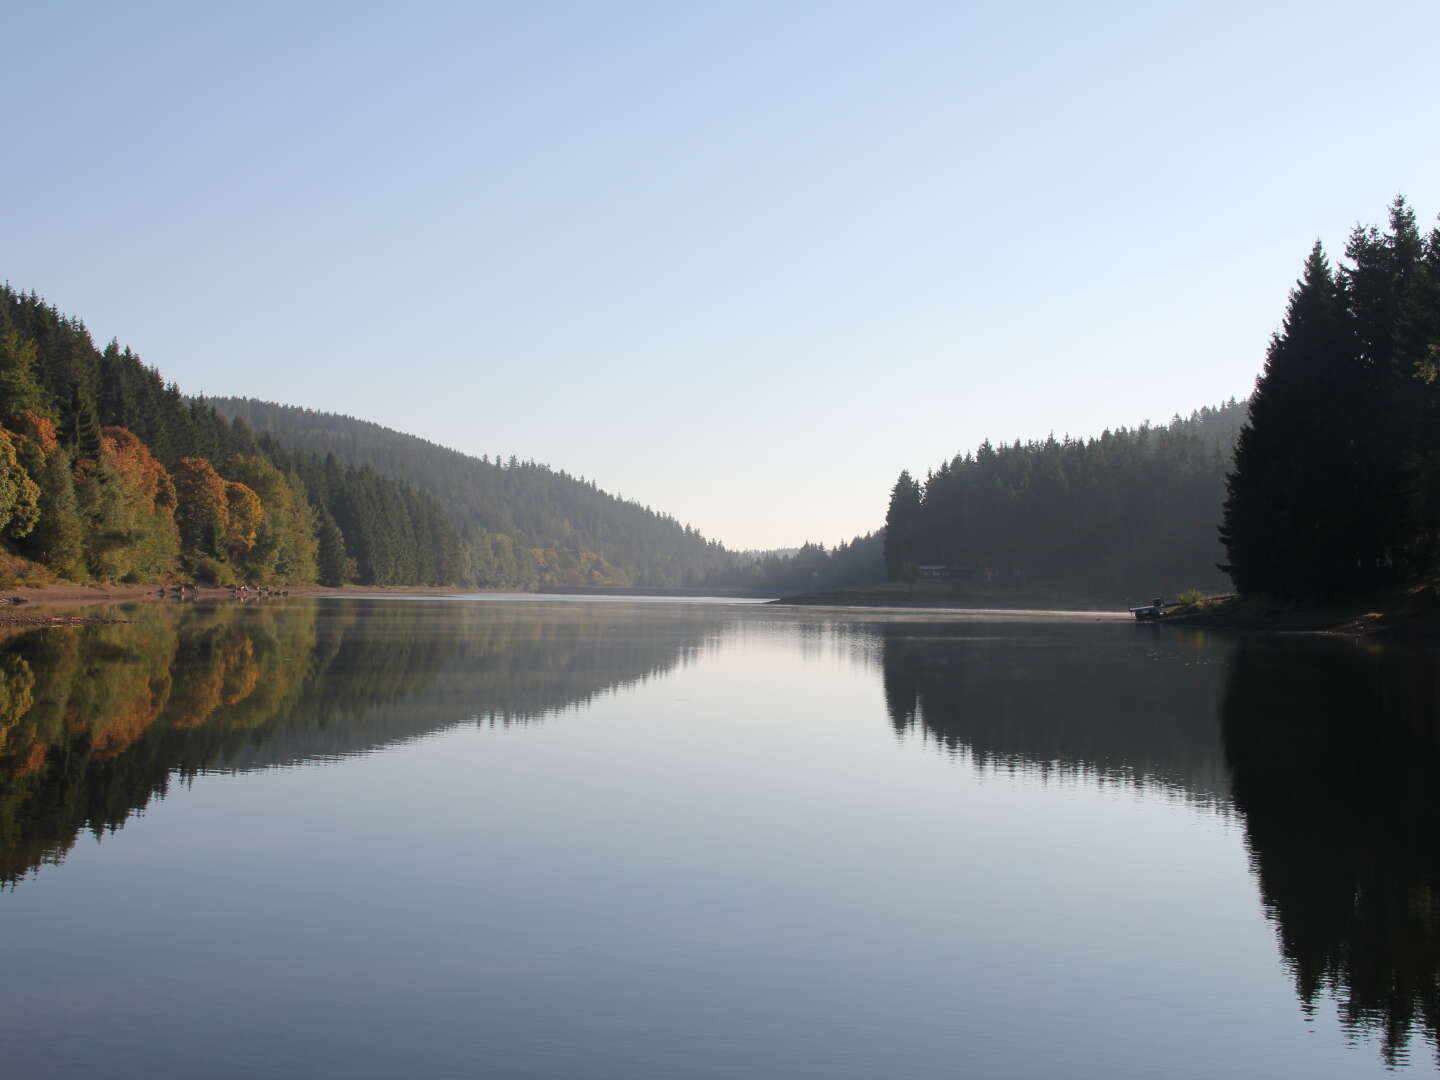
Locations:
column 230, row 531
column 127, row 504
column 120, row 515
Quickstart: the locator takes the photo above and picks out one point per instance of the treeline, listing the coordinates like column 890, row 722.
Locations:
column 811, row 568
column 107, row 473
column 1336, row 480
column 1129, row 513
column 523, row 524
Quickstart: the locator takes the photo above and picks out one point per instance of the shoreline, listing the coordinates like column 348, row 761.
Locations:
column 1401, row 613
column 1408, row 612
column 1397, row 613
column 64, row 604
column 935, row 596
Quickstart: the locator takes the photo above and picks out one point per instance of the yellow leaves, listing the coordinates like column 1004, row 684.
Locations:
column 19, row 494
column 218, row 518
column 244, row 516
column 199, row 485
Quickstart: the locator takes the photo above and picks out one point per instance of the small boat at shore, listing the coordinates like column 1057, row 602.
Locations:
column 1152, row 610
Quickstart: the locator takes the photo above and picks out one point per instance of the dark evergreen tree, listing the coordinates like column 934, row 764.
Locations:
column 1290, row 525
column 902, row 526
column 1426, row 488
column 79, row 426
column 20, row 389
column 1392, row 323
column 331, row 556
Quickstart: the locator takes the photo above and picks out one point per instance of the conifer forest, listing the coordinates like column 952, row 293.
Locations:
column 1326, row 481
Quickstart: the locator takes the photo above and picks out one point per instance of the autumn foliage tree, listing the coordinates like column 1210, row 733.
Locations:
column 244, row 516
column 146, row 504
column 203, row 516
column 19, row 494
column 286, row 540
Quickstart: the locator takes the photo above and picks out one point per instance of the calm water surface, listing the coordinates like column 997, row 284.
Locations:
column 479, row 837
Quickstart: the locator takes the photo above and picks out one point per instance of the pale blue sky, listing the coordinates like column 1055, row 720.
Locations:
column 743, row 262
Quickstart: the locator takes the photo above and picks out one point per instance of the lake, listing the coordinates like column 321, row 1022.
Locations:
column 510, row 837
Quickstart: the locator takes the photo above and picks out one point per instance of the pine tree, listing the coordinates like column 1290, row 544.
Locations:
column 902, row 526
column 1385, row 291
column 79, row 426
column 58, row 537
column 20, row 389
column 1425, row 505
column 330, row 557
column 1292, row 523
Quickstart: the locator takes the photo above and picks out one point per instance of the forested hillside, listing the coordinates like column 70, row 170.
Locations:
column 506, row 507
column 108, row 473
column 1333, row 485
column 1124, row 515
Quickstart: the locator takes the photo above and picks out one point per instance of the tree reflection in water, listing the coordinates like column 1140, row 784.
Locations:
column 96, row 721
column 1063, row 700
column 1330, row 751
column 1333, row 758
column 1335, row 753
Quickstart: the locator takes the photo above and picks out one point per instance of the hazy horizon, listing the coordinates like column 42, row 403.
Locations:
column 741, row 265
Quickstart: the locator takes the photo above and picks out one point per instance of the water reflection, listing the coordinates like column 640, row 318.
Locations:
column 1335, row 751
column 1328, row 751
column 1104, row 703
column 96, row 721
column 1327, row 755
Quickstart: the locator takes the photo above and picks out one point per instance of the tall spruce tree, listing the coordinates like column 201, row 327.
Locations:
column 1291, row 524
column 902, row 526
column 58, row 539
column 20, row 389
column 331, row 557
column 1385, row 297
column 1425, row 506
column 79, row 426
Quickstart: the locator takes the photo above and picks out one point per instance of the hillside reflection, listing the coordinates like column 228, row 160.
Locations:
column 1071, row 702
column 1335, row 754
column 96, row 721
